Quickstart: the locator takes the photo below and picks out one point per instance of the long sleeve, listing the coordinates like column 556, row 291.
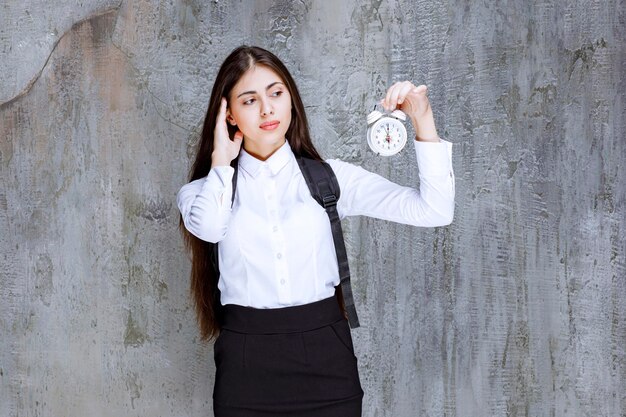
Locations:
column 205, row 204
column 369, row 194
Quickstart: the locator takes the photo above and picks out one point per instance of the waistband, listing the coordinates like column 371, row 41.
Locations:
column 291, row 319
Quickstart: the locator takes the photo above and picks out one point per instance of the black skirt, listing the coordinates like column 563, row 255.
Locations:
column 292, row 361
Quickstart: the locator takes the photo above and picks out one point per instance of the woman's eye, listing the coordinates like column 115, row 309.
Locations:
column 275, row 94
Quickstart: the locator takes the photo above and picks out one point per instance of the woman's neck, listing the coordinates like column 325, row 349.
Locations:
column 262, row 152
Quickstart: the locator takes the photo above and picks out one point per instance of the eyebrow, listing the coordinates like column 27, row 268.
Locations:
column 266, row 88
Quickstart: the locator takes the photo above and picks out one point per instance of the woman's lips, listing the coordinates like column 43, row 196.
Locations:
column 270, row 125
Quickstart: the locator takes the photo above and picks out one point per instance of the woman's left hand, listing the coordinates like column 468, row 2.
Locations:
column 414, row 102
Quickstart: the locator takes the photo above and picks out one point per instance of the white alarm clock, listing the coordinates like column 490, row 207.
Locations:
column 386, row 134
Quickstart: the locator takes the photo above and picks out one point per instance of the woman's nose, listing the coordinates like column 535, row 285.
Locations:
column 266, row 108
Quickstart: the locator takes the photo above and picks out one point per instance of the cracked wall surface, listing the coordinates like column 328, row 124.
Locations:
column 29, row 33
column 516, row 309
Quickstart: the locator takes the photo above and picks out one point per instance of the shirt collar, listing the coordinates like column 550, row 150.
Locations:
column 274, row 163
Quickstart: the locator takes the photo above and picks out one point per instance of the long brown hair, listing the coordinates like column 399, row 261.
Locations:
column 204, row 289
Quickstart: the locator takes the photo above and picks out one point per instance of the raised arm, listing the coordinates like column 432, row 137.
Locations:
column 369, row 194
column 205, row 204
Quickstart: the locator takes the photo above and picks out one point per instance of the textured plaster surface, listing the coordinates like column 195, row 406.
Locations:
column 516, row 309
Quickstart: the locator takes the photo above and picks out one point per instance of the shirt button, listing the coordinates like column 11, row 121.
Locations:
column 279, row 255
column 282, row 281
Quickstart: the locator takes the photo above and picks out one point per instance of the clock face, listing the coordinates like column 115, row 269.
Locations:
column 387, row 136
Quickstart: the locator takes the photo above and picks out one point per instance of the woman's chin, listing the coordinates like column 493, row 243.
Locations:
column 269, row 138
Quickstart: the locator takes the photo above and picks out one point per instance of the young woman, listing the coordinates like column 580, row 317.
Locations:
column 283, row 344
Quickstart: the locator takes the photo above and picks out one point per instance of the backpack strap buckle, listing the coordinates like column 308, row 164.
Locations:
column 328, row 197
column 329, row 200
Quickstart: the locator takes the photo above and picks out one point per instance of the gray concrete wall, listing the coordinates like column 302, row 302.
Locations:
column 516, row 309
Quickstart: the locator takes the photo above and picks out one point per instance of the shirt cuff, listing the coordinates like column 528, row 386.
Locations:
column 434, row 158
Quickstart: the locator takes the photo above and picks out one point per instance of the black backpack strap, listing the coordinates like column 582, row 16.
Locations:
column 235, row 165
column 324, row 188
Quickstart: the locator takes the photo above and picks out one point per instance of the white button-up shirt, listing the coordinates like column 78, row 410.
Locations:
column 275, row 243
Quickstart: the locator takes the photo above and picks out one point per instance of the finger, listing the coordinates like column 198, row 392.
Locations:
column 238, row 137
column 221, row 112
column 399, row 90
column 393, row 99
column 390, row 91
column 421, row 89
column 393, row 95
column 406, row 89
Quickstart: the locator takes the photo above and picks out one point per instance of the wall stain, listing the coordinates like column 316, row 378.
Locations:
column 134, row 386
column 510, row 102
column 154, row 210
column 43, row 278
column 506, row 346
column 584, row 54
column 161, row 288
column 513, row 167
column 134, row 335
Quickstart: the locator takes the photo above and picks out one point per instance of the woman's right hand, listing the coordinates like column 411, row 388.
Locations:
column 224, row 149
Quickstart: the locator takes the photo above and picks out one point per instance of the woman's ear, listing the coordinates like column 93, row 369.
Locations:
column 230, row 118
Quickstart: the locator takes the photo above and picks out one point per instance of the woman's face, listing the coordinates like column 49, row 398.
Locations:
column 260, row 106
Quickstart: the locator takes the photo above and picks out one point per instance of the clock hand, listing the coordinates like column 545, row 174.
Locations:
column 388, row 138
